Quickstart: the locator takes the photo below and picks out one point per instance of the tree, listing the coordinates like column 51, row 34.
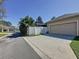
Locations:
column 1, row 1
column 39, row 21
column 5, row 23
column 2, row 10
column 25, row 23
column 52, row 18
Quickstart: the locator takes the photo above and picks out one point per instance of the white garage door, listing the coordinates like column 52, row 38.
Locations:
column 68, row 28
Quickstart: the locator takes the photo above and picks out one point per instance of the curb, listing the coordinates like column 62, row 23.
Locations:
column 1, row 38
column 37, row 50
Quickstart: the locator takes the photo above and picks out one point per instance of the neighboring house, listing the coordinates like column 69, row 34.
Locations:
column 7, row 28
column 67, row 24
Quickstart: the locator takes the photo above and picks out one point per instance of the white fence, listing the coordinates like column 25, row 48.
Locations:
column 37, row 30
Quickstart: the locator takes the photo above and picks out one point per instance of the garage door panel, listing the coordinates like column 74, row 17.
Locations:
column 68, row 28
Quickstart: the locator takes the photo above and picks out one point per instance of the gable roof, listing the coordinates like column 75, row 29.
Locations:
column 64, row 16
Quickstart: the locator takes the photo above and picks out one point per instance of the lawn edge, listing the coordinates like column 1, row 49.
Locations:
column 1, row 38
column 73, row 49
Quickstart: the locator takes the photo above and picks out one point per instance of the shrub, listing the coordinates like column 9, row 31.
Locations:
column 23, row 29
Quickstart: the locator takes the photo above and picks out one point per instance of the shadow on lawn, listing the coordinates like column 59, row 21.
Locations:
column 76, row 38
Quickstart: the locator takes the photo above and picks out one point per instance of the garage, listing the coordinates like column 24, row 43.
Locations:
column 67, row 24
column 67, row 29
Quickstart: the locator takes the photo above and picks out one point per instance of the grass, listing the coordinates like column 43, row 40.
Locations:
column 75, row 46
column 3, row 33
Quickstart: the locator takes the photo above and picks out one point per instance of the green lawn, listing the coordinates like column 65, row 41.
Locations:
column 3, row 33
column 75, row 46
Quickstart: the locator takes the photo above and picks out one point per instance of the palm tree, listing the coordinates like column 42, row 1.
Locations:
column 2, row 9
column 1, row 1
column 2, row 13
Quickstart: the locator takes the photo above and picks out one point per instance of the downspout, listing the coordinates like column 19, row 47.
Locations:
column 77, row 28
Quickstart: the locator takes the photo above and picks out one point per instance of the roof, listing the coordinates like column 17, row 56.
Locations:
column 64, row 16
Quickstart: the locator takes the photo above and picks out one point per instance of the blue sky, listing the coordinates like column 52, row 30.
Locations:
column 44, row 8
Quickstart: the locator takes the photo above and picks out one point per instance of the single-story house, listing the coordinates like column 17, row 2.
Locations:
column 4, row 28
column 67, row 24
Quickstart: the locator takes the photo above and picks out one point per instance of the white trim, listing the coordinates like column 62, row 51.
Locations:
column 64, row 23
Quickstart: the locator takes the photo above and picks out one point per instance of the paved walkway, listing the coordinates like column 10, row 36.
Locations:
column 53, row 48
column 16, row 48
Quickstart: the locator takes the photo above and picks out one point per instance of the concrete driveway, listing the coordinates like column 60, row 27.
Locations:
column 14, row 47
column 52, row 47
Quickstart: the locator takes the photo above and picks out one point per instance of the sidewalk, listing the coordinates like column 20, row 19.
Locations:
column 51, row 47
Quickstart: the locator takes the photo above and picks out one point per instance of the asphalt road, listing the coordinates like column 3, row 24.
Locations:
column 14, row 47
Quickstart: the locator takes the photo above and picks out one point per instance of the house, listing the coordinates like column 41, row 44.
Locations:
column 7, row 28
column 67, row 24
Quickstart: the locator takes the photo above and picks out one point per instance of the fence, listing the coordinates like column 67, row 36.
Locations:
column 37, row 30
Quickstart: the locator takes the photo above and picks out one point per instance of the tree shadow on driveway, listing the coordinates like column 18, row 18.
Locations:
column 15, row 35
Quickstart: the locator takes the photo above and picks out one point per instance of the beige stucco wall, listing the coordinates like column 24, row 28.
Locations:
column 69, row 26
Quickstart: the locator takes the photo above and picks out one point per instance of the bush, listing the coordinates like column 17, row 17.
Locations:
column 23, row 29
